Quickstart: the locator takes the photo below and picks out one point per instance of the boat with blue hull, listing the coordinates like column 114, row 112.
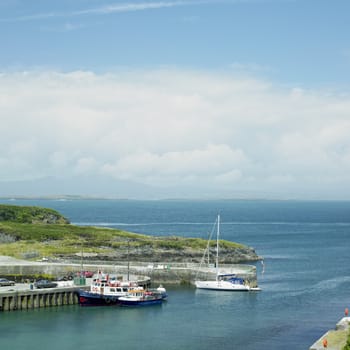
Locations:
column 86, row 298
column 105, row 291
column 142, row 298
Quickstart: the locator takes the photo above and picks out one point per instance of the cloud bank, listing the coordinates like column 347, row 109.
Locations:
column 209, row 134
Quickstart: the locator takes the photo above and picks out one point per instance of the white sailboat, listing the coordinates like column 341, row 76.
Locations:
column 224, row 282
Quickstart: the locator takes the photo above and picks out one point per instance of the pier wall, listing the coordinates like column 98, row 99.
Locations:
column 167, row 272
column 32, row 299
column 186, row 273
column 23, row 296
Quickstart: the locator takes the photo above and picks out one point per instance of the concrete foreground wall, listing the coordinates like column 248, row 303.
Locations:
column 334, row 339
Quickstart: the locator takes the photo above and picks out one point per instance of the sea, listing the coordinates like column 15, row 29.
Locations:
column 305, row 280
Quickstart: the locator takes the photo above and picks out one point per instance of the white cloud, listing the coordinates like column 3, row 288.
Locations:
column 130, row 7
column 58, row 160
column 86, row 165
column 175, row 128
column 211, row 161
column 111, row 9
column 249, row 67
column 63, row 27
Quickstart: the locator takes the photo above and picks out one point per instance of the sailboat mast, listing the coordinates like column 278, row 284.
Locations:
column 217, row 248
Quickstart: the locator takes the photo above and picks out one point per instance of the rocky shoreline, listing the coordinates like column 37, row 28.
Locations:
column 188, row 255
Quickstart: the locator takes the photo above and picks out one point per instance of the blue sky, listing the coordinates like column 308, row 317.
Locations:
column 289, row 41
column 198, row 98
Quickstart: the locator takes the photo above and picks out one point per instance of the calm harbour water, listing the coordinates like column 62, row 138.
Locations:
column 305, row 287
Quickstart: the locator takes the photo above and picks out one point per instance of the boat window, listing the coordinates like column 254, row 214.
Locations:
column 112, row 290
column 125, row 289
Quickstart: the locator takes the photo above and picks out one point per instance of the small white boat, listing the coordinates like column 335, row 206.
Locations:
column 160, row 290
column 224, row 282
column 142, row 298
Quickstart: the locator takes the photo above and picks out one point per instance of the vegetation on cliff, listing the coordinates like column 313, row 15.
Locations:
column 32, row 232
column 347, row 345
column 31, row 215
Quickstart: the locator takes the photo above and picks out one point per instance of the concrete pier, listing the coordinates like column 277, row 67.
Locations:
column 335, row 339
column 24, row 297
column 177, row 273
column 159, row 272
column 13, row 300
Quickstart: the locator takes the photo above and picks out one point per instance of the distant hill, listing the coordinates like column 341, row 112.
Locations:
column 107, row 187
column 87, row 186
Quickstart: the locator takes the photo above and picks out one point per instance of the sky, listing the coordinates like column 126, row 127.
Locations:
column 175, row 99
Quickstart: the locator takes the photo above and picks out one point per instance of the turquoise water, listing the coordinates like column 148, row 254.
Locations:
column 305, row 285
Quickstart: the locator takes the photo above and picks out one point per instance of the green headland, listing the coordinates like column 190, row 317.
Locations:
column 32, row 233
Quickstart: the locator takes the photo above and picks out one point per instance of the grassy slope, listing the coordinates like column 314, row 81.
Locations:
column 30, row 214
column 28, row 232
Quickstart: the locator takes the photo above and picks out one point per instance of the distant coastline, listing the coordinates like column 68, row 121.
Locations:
column 91, row 197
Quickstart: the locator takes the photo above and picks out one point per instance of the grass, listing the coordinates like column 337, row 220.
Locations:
column 39, row 240
column 28, row 232
column 30, row 214
column 347, row 345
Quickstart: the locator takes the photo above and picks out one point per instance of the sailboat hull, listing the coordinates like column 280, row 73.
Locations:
column 222, row 285
column 225, row 282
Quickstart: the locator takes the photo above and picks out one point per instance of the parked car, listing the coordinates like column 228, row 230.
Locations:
column 62, row 278
column 87, row 274
column 5, row 282
column 67, row 277
column 45, row 284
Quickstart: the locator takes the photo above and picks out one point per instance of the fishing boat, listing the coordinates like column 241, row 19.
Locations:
column 138, row 297
column 105, row 291
column 224, row 282
column 160, row 290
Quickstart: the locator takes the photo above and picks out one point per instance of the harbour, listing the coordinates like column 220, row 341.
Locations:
column 24, row 296
column 304, row 285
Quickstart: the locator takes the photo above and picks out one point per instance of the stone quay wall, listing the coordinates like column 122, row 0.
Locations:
column 167, row 272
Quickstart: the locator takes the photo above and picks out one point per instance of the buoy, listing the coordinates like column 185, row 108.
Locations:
column 325, row 343
column 346, row 312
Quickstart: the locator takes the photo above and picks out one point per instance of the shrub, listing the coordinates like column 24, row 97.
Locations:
column 347, row 345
